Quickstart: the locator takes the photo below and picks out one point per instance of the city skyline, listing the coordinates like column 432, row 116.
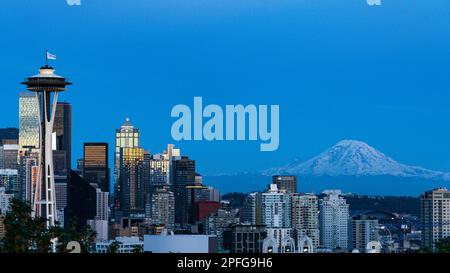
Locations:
column 400, row 87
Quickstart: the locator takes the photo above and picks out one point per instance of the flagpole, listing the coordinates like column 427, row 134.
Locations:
column 46, row 57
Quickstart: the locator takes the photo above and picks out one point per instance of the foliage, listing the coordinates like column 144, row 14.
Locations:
column 113, row 247
column 443, row 246
column 27, row 234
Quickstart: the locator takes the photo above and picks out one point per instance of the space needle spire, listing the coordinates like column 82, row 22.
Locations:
column 46, row 85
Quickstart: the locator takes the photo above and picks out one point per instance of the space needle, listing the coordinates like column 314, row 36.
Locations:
column 46, row 85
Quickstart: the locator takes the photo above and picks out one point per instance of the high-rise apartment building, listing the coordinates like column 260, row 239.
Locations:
column 251, row 211
column 362, row 230
column 435, row 216
column 276, row 208
column 305, row 217
column 333, row 218
column 95, row 165
column 287, row 183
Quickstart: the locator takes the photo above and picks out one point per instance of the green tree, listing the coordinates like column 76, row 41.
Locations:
column 25, row 234
column 114, row 247
column 443, row 246
column 138, row 249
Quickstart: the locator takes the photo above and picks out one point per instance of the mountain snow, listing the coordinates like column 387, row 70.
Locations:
column 354, row 158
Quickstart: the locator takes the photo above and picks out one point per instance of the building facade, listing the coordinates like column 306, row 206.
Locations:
column 435, row 216
column 287, row 183
column 333, row 218
column 305, row 217
column 276, row 208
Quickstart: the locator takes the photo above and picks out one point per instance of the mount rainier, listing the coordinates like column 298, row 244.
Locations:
column 350, row 165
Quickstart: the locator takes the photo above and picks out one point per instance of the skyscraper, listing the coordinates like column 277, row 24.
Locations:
column 95, row 165
column 81, row 201
column 62, row 138
column 333, row 218
column 8, row 156
column 183, row 177
column 285, row 182
column 305, row 217
column 28, row 122
column 163, row 207
column 9, row 136
column 276, row 208
column 44, row 85
column 435, row 216
column 126, row 137
column 131, row 183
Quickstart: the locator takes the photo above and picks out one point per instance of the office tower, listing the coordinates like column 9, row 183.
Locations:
column 131, row 183
column 61, row 192
column 287, row 183
column 28, row 175
column 183, row 176
column 62, row 138
column 9, row 136
column 95, row 165
column 245, row 238
column 9, row 181
column 363, row 230
column 126, row 137
column 44, row 85
column 8, row 156
column 251, row 211
column 81, row 202
column 333, row 219
column 217, row 223
column 435, row 216
column 157, row 173
column 5, row 201
column 102, row 205
column 276, row 208
column 28, row 122
column 163, row 207
column 159, row 170
column 305, row 217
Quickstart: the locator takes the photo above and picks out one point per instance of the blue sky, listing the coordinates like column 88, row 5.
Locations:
column 338, row 69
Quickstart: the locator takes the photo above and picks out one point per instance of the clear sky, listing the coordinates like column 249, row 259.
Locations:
column 338, row 69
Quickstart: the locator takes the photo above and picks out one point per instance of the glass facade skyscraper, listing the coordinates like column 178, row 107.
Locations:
column 95, row 165
column 62, row 129
column 28, row 122
column 126, row 137
column 131, row 183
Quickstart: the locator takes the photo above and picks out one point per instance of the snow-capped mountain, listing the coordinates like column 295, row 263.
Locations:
column 355, row 158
